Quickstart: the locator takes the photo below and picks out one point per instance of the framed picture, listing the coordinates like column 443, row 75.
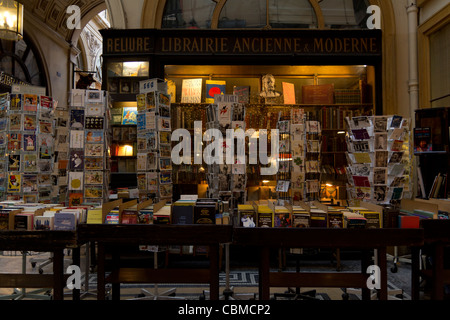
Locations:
column 115, row 69
column 94, row 96
column 126, row 86
column 113, row 85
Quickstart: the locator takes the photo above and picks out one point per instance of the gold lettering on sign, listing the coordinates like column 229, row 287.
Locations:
column 244, row 45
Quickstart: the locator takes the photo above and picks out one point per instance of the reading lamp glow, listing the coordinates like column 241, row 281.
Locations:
column 125, row 151
column 11, row 20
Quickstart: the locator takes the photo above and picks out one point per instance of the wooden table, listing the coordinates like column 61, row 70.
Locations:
column 40, row 241
column 117, row 235
column 361, row 239
column 436, row 239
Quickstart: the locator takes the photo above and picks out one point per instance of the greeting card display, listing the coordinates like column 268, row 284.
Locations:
column 226, row 179
column 28, row 117
column 153, row 162
column 379, row 161
column 88, row 132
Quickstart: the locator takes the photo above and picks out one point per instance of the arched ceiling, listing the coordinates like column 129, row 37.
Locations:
column 53, row 12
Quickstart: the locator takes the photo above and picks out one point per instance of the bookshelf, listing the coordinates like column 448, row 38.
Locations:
column 433, row 163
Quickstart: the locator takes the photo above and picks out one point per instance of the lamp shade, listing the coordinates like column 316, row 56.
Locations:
column 11, row 20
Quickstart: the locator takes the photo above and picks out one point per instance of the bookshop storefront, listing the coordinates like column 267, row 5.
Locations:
column 329, row 74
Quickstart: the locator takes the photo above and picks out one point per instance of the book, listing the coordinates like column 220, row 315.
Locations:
column 373, row 219
column 191, row 91
column 205, row 213
column 282, row 217
column 265, row 216
column 247, row 216
column 163, row 215
column 422, row 140
column 288, row 93
column 130, row 215
column 214, row 87
column 145, row 215
column 65, row 221
column 318, row 94
column 318, row 218
column 23, row 221
column 94, row 216
column 183, row 212
column 354, row 220
column 44, row 223
column 335, row 220
column 243, row 93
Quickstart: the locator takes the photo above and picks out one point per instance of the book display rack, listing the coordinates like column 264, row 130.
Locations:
column 154, row 131
column 88, row 167
column 379, row 158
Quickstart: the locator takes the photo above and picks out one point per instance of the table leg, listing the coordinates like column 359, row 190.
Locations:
column 438, row 269
column 58, row 274
column 415, row 273
column 264, row 274
column 382, row 264
column 214, row 272
column 115, row 252
column 365, row 258
column 77, row 262
column 101, row 271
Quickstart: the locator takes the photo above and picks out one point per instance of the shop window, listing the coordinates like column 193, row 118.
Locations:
column 281, row 14
column 339, row 14
column 440, row 67
column 17, row 59
column 188, row 14
column 292, row 14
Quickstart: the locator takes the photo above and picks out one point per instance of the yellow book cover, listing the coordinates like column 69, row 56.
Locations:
column 94, row 216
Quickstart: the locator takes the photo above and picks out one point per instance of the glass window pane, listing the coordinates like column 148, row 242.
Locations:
column 344, row 13
column 291, row 14
column 243, row 14
column 440, row 67
column 188, row 14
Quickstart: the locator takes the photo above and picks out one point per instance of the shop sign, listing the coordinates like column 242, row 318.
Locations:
column 207, row 42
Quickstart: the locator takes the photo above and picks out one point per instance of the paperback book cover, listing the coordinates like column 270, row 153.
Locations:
column 214, row 87
column 422, row 140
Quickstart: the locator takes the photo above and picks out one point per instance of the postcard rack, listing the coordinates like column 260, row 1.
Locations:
column 227, row 178
column 154, row 142
column 88, row 166
column 379, row 159
column 27, row 144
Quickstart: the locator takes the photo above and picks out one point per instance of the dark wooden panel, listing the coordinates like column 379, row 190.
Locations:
column 328, row 238
column 324, row 280
column 157, row 234
column 27, row 280
column 37, row 240
column 144, row 275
